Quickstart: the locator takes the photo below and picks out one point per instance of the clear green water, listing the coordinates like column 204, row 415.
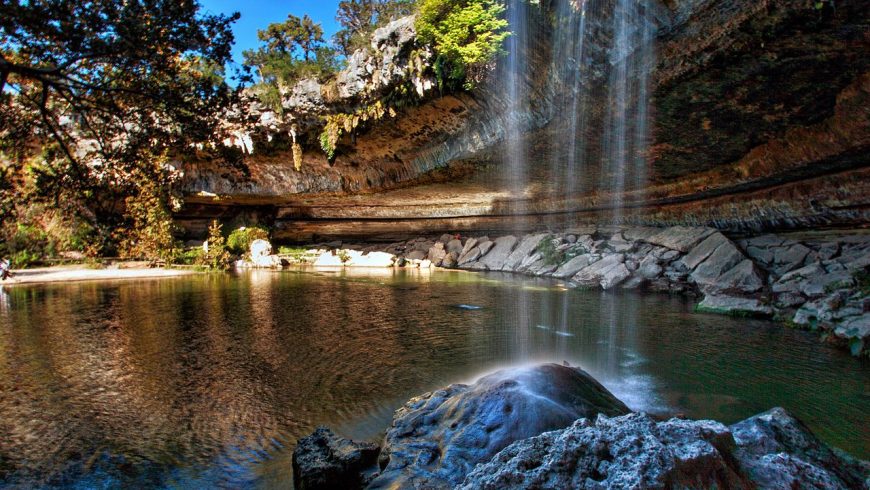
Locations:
column 209, row 380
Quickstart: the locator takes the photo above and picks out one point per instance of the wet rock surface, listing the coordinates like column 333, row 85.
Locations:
column 324, row 461
column 772, row 450
column 552, row 426
column 760, row 123
column 437, row 438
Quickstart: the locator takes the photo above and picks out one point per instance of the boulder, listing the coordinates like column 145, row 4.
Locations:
column 260, row 248
column 775, row 450
column 680, row 238
column 614, row 276
column 469, row 256
column 649, row 267
column 787, row 259
column 266, row 261
column 373, row 259
column 524, row 248
column 640, row 233
column 437, row 438
column 449, row 260
column 416, row 255
column 631, row 451
column 572, row 267
column 734, row 305
column 328, row 259
column 324, row 461
column 485, row 246
column 607, row 272
column 454, row 246
column 743, row 278
column 704, row 249
column 437, row 253
column 772, row 450
column 501, row 249
column 720, row 261
column 469, row 244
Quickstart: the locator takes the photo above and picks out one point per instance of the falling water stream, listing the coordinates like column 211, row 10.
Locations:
column 624, row 137
column 629, row 28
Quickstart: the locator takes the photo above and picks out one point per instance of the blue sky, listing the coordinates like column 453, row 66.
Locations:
column 257, row 14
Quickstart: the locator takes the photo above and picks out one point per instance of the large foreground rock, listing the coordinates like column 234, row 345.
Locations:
column 324, row 461
column 437, row 438
column 632, row 451
column 772, row 450
column 776, row 450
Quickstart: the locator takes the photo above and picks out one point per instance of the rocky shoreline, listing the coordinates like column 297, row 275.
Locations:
column 554, row 426
column 814, row 283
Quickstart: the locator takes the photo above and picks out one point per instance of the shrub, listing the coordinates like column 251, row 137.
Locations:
column 239, row 241
column 549, row 252
column 215, row 254
column 151, row 234
column 466, row 35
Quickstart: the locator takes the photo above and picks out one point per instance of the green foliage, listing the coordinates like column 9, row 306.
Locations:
column 215, row 254
column 548, row 251
column 131, row 75
column 294, row 49
column 359, row 18
column 341, row 123
column 239, row 241
column 343, row 256
column 89, row 92
column 466, row 35
column 151, row 232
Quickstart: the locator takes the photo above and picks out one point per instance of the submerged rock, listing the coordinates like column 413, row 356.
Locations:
column 324, row 461
column 437, row 438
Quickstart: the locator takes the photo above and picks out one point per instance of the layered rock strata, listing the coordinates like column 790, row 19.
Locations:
column 758, row 122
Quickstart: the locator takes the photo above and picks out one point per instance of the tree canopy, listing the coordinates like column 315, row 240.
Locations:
column 359, row 18
column 466, row 34
column 292, row 49
column 117, row 74
column 94, row 94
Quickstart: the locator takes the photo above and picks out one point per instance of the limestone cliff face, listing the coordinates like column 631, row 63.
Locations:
column 758, row 120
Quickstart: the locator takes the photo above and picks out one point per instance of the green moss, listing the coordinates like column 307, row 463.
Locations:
column 736, row 313
column 549, row 252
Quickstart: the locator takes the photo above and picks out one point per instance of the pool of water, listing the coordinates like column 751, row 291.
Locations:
column 209, row 380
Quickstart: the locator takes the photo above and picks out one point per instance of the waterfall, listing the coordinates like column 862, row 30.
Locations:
column 625, row 129
column 569, row 54
column 517, row 104
column 594, row 42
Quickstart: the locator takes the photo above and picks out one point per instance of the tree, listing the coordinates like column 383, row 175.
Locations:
column 104, row 88
column 115, row 74
column 293, row 49
column 466, row 35
column 215, row 253
column 359, row 18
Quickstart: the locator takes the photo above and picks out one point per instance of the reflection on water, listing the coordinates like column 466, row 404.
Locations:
column 209, row 380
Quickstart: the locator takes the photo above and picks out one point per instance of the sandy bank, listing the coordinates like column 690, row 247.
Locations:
column 78, row 273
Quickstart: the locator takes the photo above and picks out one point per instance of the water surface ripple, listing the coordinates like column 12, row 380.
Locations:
column 208, row 381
